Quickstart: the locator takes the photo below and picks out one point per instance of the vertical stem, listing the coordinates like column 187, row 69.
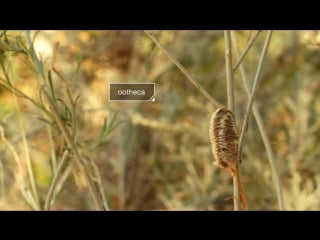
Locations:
column 254, row 90
column 230, row 94
column 236, row 193
column 229, row 74
column 263, row 134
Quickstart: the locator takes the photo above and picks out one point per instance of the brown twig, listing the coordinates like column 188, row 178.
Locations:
column 237, row 185
column 245, row 51
column 185, row 72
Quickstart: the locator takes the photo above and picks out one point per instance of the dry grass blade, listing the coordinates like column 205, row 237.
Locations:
column 271, row 158
column 52, row 190
column 19, row 175
column 30, row 171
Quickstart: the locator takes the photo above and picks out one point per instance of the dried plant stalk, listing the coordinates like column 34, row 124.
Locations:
column 224, row 141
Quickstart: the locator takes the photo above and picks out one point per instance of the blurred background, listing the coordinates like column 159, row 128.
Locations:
column 157, row 155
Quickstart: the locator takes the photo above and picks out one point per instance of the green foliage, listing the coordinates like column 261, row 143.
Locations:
column 106, row 130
